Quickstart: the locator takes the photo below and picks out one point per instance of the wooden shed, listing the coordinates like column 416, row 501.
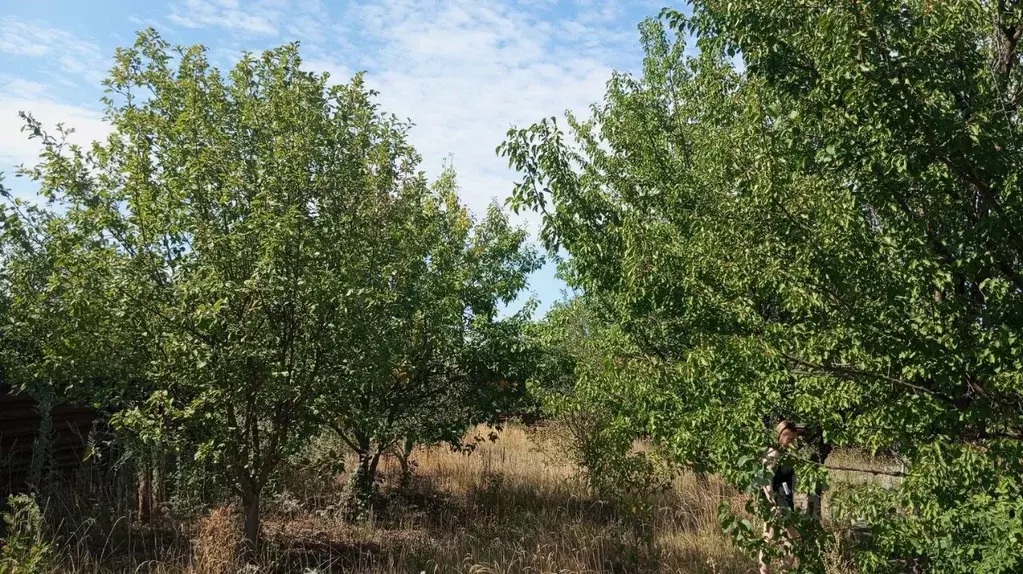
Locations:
column 20, row 420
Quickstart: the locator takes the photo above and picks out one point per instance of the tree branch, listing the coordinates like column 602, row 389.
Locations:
column 852, row 373
column 866, row 470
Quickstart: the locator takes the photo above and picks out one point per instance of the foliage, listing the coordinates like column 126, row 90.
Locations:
column 433, row 357
column 24, row 549
column 829, row 234
column 61, row 337
column 577, row 379
column 219, row 229
column 250, row 258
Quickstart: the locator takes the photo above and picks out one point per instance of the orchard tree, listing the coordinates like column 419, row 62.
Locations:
column 433, row 357
column 61, row 340
column 223, row 221
column 830, row 233
column 589, row 377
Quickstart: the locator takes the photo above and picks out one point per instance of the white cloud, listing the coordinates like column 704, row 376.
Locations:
column 311, row 22
column 466, row 71
column 259, row 19
column 23, row 38
column 32, row 97
column 56, row 48
column 339, row 74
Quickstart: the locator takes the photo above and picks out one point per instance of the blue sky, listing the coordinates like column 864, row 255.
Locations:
column 464, row 71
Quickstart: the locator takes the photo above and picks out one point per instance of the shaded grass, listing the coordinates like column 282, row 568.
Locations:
column 509, row 507
column 512, row 507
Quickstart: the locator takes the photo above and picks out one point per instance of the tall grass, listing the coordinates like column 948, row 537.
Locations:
column 508, row 507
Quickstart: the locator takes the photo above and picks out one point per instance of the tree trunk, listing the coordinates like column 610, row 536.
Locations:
column 405, row 459
column 404, row 462
column 144, row 491
column 363, row 486
column 250, row 508
column 373, row 466
column 159, row 477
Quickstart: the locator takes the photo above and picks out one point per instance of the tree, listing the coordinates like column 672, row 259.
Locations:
column 433, row 353
column 222, row 222
column 830, row 234
column 60, row 339
column 578, row 379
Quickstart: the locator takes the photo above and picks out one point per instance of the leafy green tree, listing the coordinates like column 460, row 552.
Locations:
column 829, row 234
column 61, row 340
column 579, row 380
column 223, row 222
column 433, row 353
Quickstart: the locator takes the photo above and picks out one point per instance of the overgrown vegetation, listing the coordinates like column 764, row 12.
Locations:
column 295, row 343
column 513, row 505
column 25, row 546
column 263, row 261
column 828, row 234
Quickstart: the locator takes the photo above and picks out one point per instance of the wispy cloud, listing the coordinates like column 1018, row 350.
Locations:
column 43, row 52
column 20, row 38
column 466, row 71
column 339, row 74
column 259, row 18
column 52, row 48
column 17, row 95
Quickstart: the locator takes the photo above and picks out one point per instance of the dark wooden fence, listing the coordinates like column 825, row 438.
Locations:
column 20, row 420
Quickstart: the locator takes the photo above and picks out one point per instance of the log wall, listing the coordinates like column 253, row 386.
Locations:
column 19, row 423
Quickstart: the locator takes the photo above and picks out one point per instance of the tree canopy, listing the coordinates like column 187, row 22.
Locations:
column 249, row 257
column 433, row 356
column 829, row 233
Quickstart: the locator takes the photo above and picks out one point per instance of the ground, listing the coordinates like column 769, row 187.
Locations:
column 514, row 505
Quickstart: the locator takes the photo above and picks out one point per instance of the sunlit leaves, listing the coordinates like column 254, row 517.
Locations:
column 832, row 234
column 242, row 246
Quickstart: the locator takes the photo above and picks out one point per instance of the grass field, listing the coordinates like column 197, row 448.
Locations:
column 508, row 507
column 515, row 505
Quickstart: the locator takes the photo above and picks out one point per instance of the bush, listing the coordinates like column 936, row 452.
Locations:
column 24, row 548
column 614, row 468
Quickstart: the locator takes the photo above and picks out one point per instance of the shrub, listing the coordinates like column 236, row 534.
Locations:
column 24, row 548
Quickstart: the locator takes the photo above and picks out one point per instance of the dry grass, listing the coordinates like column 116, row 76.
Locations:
column 511, row 507
column 216, row 544
column 506, row 508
